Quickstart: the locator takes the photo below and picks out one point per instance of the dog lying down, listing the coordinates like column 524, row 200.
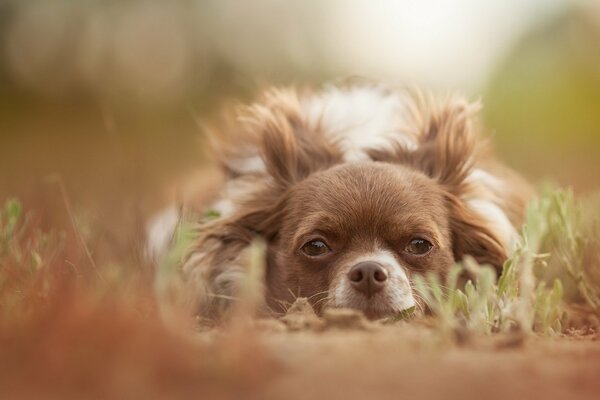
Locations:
column 355, row 190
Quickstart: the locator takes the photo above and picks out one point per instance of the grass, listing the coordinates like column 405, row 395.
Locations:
column 556, row 264
column 68, row 330
column 55, row 308
column 548, row 271
column 76, row 326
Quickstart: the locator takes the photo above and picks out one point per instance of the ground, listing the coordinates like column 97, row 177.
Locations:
column 409, row 362
column 79, row 317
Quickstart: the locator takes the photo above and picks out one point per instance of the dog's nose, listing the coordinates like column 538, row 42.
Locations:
column 368, row 277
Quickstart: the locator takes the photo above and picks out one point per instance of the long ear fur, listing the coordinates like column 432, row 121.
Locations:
column 448, row 148
column 273, row 133
column 216, row 266
column 472, row 236
column 288, row 151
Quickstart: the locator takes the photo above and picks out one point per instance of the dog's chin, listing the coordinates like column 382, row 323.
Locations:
column 378, row 307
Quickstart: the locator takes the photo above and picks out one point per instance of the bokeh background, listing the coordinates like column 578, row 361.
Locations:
column 110, row 96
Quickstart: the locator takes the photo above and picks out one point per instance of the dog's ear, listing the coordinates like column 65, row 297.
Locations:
column 290, row 148
column 446, row 144
column 447, row 153
column 472, row 236
column 447, row 148
column 446, row 141
column 217, row 263
column 277, row 149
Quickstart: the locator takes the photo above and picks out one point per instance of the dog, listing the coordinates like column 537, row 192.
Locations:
column 355, row 189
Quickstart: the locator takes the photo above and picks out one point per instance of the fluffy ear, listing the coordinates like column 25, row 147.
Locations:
column 472, row 236
column 217, row 264
column 276, row 150
column 290, row 149
column 447, row 148
column 446, row 143
column 450, row 148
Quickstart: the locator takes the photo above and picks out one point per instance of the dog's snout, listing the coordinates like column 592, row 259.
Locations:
column 368, row 277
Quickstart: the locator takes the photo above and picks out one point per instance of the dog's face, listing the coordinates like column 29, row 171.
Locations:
column 351, row 226
column 355, row 235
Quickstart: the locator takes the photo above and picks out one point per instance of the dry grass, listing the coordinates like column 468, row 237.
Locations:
column 73, row 327
column 550, row 270
column 69, row 328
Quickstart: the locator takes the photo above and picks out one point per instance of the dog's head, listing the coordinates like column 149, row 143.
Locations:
column 354, row 234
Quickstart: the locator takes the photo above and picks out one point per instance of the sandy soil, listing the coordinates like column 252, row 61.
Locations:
column 70, row 348
column 410, row 362
column 343, row 356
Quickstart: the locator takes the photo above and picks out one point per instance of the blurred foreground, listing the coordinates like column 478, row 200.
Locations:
column 72, row 328
column 103, row 114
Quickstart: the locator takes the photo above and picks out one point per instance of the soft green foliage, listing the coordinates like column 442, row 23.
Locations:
column 570, row 234
column 168, row 284
column 251, row 296
column 25, row 256
column 556, row 262
column 211, row 214
column 21, row 244
column 10, row 216
column 170, row 287
column 529, row 293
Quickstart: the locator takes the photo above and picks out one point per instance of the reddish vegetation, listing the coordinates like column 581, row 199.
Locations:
column 68, row 330
column 71, row 329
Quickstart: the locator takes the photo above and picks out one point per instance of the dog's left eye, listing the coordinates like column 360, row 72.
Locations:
column 418, row 247
column 315, row 248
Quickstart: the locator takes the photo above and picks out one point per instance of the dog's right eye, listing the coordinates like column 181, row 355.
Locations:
column 315, row 248
column 418, row 247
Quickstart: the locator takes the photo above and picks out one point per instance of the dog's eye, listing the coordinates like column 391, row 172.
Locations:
column 316, row 248
column 418, row 247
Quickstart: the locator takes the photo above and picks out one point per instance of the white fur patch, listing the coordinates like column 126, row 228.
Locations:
column 395, row 297
column 356, row 118
column 224, row 207
column 482, row 177
column 160, row 231
column 497, row 221
column 248, row 165
column 359, row 118
column 234, row 191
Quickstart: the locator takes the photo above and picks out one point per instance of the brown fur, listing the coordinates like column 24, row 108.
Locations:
column 358, row 208
column 307, row 188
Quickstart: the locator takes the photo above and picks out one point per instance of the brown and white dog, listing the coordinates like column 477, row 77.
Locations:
column 355, row 189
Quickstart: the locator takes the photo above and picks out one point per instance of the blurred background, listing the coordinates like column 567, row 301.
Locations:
column 111, row 95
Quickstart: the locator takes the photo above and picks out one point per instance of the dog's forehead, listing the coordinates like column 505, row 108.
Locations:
column 357, row 187
column 371, row 196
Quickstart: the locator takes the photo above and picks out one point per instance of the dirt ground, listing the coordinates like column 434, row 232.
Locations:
column 402, row 363
column 83, row 345
column 413, row 361
column 346, row 357
column 407, row 362
column 109, row 358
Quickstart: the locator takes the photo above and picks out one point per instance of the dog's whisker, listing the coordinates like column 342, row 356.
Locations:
column 419, row 303
column 292, row 293
column 324, row 300
column 285, row 305
column 318, row 294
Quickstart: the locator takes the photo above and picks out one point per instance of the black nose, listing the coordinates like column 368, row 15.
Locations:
column 368, row 277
